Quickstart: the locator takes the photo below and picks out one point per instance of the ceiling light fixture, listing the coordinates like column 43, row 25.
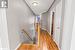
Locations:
column 35, row 3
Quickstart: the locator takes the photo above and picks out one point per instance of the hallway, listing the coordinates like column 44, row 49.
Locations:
column 36, row 24
column 46, row 43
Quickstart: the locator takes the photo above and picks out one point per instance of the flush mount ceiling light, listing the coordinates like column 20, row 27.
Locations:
column 35, row 3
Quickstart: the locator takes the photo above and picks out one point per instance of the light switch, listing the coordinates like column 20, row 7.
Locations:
column 58, row 27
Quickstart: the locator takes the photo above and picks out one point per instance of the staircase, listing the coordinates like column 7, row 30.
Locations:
column 45, row 43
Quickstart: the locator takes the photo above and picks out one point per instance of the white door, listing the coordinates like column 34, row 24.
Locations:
column 3, row 30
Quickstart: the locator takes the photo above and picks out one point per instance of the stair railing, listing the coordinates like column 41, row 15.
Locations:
column 26, row 33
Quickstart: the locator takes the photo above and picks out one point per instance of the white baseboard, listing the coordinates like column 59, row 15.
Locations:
column 18, row 46
column 0, row 44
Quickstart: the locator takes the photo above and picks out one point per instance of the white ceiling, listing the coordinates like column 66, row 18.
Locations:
column 43, row 5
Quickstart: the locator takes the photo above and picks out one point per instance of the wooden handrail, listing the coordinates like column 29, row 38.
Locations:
column 27, row 34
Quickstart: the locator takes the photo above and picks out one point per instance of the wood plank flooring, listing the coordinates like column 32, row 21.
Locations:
column 45, row 43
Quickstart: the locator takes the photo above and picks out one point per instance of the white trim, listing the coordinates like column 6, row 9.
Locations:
column 73, row 37
column 0, row 44
column 67, row 21
column 18, row 46
column 4, row 29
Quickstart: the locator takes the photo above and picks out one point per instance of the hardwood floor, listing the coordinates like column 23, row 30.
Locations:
column 45, row 43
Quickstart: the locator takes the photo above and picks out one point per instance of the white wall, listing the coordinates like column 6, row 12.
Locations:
column 19, row 16
column 73, row 37
column 57, row 22
column 25, row 20
column 68, row 17
column 44, row 21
